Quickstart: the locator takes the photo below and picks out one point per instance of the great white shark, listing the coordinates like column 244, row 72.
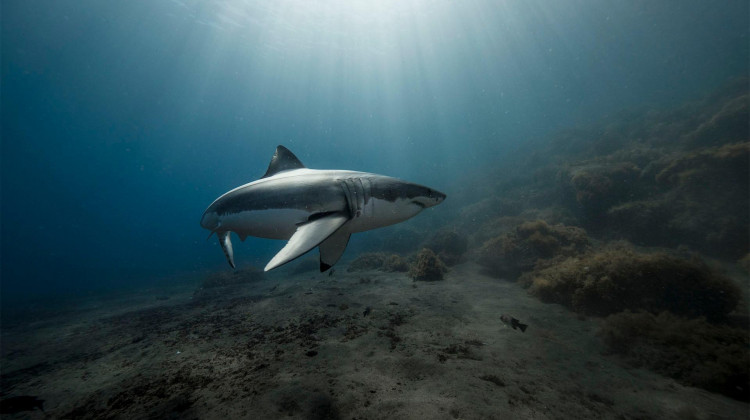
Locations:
column 312, row 207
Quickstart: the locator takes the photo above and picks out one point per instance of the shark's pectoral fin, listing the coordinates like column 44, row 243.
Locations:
column 226, row 245
column 308, row 236
column 332, row 248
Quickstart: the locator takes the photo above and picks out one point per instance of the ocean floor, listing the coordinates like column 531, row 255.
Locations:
column 302, row 347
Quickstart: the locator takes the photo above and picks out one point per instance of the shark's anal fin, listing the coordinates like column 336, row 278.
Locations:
column 332, row 248
column 308, row 236
column 226, row 245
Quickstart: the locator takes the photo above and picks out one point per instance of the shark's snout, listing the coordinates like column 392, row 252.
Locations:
column 438, row 196
column 430, row 198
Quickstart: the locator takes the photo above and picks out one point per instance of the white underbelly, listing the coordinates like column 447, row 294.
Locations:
column 380, row 213
column 271, row 224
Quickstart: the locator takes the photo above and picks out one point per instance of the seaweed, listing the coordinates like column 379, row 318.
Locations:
column 379, row 261
column 427, row 267
column 513, row 253
column 367, row 261
column 597, row 185
column 655, row 177
column 617, row 279
column 692, row 351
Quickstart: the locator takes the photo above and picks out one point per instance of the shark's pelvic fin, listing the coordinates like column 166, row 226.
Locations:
column 226, row 244
column 332, row 248
column 307, row 236
column 282, row 160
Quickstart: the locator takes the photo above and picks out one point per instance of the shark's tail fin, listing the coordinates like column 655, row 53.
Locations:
column 517, row 323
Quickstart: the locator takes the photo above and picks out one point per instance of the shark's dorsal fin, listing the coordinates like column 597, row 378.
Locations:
column 282, row 160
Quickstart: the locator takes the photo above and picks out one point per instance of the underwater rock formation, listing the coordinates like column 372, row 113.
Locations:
column 666, row 178
column 725, row 122
column 692, row 351
column 449, row 245
column 617, row 279
column 427, row 267
column 510, row 254
column 598, row 185
column 701, row 199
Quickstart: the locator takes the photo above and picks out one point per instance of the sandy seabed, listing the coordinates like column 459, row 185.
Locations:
column 301, row 346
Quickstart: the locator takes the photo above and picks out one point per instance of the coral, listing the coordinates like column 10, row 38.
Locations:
column 617, row 279
column 450, row 246
column 694, row 352
column 378, row 261
column 427, row 267
column 512, row 253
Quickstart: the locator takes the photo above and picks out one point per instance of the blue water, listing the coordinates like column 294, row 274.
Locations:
column 123, row 120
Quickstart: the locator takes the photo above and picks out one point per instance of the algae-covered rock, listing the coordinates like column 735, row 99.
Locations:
column 427, row 267
column 692, row 351
column 378, row 261
column 450, row 246
column 510, row 254
column 599, row 185
column 618, row 279
column 727, row 124
column 701, row 200
column 395, row 263
column 367, row 261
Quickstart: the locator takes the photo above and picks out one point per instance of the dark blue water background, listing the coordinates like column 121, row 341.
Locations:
column 123, row 120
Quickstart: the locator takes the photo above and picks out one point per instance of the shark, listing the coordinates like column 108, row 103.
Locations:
column 312, row 208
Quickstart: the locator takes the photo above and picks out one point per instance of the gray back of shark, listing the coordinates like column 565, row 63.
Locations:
column 310, row 207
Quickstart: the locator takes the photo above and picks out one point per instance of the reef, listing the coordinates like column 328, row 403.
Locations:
column 510, row 254
column 379, row 261
column 692, row 351
column 427, row 266
column 663, row 178
column 618, row 278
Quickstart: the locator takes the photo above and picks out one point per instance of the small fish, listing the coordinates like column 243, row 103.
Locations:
column 21, row 403
column 330, row 273
column 367, row 311
column 514, row 323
